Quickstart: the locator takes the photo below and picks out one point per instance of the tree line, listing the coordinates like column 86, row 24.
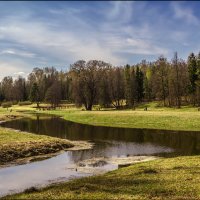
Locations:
column 175, row 83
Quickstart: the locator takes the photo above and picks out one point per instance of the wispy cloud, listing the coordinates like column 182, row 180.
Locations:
column 184, row 13
column 63, row 45
column 145, row 47
column 54, row 34
column 122, row 11
column 17, row 53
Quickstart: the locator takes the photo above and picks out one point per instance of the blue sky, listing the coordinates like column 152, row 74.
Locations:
column 40, row 34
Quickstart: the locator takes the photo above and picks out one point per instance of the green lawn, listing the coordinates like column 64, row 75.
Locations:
column 172, row 178
column 186, row 118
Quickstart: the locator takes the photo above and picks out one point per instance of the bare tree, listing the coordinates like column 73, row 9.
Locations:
column 85, row 77
column 7, row 88
column 53, row 94
column 117, row 87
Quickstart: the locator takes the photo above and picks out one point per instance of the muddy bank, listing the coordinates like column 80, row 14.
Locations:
column 8, row 117
column 80, row 145
column 18, row 147
column 10, row 153
column 34, row 151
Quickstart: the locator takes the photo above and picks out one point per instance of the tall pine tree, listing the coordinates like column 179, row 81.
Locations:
column 139, row 84
column 128, row 85
column 34, row 94
column 193, row 77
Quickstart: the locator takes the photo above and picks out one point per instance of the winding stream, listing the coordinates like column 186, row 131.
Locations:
column 112, row 146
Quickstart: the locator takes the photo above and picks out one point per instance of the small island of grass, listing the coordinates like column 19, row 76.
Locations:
column 15, row 145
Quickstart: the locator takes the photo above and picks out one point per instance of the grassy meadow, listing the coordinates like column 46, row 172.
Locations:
column 187, row 118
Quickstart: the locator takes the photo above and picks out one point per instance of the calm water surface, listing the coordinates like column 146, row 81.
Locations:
column 109, row 143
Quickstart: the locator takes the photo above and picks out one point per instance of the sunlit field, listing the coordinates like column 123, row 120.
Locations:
column 185, row 118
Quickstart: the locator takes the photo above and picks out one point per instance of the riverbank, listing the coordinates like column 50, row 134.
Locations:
column 184, row 119
column 171, row 178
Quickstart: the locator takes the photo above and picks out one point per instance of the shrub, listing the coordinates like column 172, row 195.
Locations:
column 14, row 102
column 24, row 103
column 6, row 104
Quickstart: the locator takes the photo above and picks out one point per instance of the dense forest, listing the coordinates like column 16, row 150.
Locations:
column 174, row 82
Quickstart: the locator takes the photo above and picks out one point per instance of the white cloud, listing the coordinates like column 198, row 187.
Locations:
column 62, row 44
column 7, row 52
column 19, row 73
column 68, row 36
column 13, row 68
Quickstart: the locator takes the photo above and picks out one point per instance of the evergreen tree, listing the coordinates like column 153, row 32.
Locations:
column 193, row 77
column 133, row 86
column 139, row 84
column 198, row 78
column 24, row 91
column 128, row 85
column 176, row 80
column 147, row 84
column 34, row 94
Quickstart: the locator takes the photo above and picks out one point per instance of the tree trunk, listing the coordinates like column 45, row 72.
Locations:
column 194, row 99
column 89, row 107
column 198, row 96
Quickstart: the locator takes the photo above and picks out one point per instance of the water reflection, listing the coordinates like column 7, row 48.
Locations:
column 59, row 168
column 118, row 149
column 184, row 143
